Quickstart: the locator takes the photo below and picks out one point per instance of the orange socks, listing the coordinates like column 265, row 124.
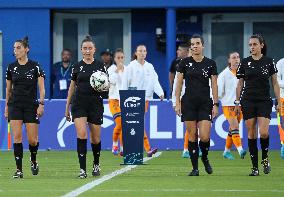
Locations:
column 229, row 142
column 185, row 145
column 236, row 138
column 117, row 131
column 146, row 143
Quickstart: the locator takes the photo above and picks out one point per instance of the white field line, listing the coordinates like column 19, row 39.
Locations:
column 99, row 181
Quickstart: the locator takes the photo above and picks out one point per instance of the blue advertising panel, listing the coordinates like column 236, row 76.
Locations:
column 132, row 104
column 163, row 127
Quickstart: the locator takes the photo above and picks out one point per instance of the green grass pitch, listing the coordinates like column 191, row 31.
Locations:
column 162, row 176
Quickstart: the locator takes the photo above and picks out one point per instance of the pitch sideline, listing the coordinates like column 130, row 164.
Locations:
column 99, row 181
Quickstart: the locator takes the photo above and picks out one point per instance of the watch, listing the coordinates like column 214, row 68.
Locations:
column 41, row 102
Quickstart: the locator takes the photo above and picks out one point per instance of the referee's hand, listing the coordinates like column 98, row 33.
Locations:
column 6, row 113
column 40, row 110
column 67, row 115
column 178, row 108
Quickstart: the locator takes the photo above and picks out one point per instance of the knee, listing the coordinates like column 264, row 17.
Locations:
column 264, row 135
column 33, row 142
column 204, row 139
column 95, row 140
column 18, row 138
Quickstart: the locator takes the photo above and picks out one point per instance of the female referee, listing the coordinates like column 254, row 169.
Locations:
column 256, row 102
column 23, row 77
column 197, row 106
column 87, row 106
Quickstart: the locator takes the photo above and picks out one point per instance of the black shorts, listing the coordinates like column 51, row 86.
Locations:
column 196, row 109
column 253, row 109
column 88, row 106
column 25, row 112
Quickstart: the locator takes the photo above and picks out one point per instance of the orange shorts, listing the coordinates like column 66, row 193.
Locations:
column 229, row 113
column 114, row 107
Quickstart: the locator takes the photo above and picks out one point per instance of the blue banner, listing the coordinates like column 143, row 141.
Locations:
column 163, row 127
column 132, row 104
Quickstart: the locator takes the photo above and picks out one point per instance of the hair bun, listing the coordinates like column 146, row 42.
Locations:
column 88, row 37
column 26, row 39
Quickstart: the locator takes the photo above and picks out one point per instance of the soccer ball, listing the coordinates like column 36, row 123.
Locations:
column 99, row 81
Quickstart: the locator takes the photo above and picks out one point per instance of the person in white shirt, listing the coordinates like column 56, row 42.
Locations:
column 227, row 83
column 115, row 72
column 280, row 78
column 141, row 75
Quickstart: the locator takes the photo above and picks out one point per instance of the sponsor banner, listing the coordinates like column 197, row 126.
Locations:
column 132, row 104
column 163, row 127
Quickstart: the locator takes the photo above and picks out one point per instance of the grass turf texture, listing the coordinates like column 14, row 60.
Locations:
column 163, row 176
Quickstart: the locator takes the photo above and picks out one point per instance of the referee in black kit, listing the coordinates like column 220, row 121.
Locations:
column 22, row 78
column 197, row 106
column 87, row 106
column 256, row 102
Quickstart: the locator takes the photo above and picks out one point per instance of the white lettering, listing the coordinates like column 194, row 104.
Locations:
column 154, row 134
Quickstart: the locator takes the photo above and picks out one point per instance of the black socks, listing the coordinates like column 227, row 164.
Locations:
column 82, row 152
column 96, row 148
column 33, row 150
column 18, row 153
column 264, row 142
column 193, row 152
column 252, row 144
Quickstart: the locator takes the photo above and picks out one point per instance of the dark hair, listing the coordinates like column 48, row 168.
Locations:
column 184, row 45
column 140, row 45
column 24, row 42
column 134, row 57
column 66, row 49
column 232, row 53
column 118, row 50
column 198, row 36
column 88, row 38
column 261, row 41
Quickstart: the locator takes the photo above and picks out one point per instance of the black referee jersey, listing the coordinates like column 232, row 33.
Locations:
column 24, row 81
column 197, row 76
column 256, row 75
column 81, row 73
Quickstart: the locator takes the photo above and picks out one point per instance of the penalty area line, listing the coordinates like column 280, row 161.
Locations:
column 99, row 181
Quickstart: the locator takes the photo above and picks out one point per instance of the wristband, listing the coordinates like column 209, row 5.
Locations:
column 41, row 102
column 216, row 104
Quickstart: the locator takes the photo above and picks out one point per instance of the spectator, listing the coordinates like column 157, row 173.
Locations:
column 106, row 58
column 61, row 75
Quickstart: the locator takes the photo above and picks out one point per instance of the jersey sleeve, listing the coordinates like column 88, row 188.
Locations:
column 8, row 73
column 40, row 71
column 113, row 76
column 181, row 66
column 221, row 85
column 214, row 68
column 272, row 68
column 241, row 70
column 74, row 72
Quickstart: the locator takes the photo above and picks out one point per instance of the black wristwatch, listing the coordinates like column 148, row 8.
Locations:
column 41, row 102
column 216, row 104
